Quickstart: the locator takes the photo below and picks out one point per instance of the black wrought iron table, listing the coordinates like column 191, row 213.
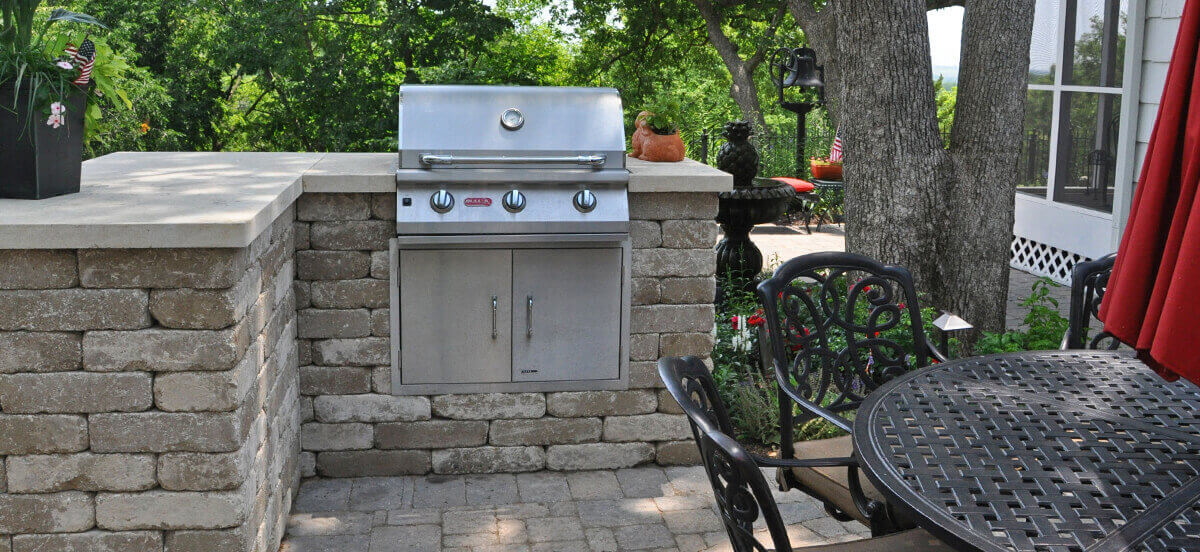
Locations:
column 1047, row 451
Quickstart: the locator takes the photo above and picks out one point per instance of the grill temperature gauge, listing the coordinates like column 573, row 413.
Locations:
column 512, row 119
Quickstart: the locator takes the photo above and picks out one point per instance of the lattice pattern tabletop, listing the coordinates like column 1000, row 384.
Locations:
column 1066, row 451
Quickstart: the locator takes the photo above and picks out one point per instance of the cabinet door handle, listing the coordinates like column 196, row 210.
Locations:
column 529, row 316
column 495, row 305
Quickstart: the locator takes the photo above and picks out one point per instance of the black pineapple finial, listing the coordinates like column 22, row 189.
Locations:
column 737, row 155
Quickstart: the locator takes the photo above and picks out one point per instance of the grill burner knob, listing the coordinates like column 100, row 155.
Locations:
column 585, row 201
column 514, row 201
column 441, row 201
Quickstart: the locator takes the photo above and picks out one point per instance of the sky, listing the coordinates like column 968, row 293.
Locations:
column 945, row 38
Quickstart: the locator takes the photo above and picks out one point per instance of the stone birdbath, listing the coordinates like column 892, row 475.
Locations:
column 752, row 201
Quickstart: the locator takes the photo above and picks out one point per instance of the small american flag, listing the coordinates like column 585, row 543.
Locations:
column 83, row 57
column 835, row 151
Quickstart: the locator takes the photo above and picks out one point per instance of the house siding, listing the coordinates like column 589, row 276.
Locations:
column 1158, row 41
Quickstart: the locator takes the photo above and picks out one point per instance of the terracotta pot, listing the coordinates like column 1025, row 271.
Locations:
column 662, row 148
column 824, row 170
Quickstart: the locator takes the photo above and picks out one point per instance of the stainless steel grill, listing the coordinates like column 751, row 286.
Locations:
column 512, row 253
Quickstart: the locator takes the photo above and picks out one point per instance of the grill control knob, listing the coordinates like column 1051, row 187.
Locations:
column 441, row 201
column 513, row 201
column 585, row 201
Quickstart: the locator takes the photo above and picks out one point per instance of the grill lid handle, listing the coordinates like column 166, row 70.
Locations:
column 587, row 160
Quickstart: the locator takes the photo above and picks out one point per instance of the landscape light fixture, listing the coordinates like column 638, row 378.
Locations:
column 948, row 323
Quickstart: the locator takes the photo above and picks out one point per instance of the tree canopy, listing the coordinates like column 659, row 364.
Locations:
column 323, row 76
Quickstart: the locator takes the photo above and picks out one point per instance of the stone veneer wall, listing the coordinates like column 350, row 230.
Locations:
column 148, row 397
column 353, row 426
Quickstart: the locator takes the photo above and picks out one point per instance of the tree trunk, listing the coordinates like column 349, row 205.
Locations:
column 896, row 169
column 985, row 143
column 946, row 215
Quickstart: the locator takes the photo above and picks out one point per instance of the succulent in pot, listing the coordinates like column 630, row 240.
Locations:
column 657, row 135
column 50, row 81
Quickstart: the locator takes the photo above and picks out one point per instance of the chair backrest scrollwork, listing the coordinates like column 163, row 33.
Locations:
column 741, row 492
column 840, row 325
column 691, row 384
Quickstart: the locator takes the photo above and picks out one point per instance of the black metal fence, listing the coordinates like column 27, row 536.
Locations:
column 776, row 149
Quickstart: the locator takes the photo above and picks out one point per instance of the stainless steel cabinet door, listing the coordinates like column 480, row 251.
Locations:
column 566, row 314
column 455, row 316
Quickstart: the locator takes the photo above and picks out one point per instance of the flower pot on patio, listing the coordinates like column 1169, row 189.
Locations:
column 823, row 169
column 42, row 155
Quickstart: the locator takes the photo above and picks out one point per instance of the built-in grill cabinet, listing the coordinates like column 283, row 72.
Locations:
column 511, row 264
column 518, row 316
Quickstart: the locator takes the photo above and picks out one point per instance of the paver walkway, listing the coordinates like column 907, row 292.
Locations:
column 647, row 508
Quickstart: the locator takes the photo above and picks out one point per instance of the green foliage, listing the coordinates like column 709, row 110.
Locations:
column 747, row 385
column 322, row 76
column 946, row 99
column 32, row 63
column 664, row 115
column 749, row 392
column 290, row 75
column 1044, row 327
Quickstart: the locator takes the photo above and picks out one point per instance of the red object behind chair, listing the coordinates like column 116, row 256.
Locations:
column 1153, row 298
column 801, row 186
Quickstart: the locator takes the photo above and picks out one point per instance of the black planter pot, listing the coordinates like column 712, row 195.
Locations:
column 39, row 161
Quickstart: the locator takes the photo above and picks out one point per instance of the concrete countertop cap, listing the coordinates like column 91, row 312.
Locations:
column 198, row 199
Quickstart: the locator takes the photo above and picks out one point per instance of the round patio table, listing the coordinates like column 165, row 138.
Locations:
column 1042, row 451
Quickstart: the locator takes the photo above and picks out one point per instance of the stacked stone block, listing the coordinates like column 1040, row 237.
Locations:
column 353, row 426
column 148, row 398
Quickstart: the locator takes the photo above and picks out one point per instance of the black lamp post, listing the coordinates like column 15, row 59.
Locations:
column 797, row 67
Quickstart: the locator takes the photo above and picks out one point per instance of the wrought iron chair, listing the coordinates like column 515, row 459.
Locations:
column 1089, row 279
column 741, row 491
column 836, row 322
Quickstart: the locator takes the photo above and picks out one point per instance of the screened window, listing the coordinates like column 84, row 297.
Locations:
column 1073, row 106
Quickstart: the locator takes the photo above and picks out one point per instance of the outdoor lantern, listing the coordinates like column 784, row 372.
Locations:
column 797, row 68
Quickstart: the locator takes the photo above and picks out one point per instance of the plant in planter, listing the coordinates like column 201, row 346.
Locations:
column 657, row 135
column 824, row 169
column 49, row 81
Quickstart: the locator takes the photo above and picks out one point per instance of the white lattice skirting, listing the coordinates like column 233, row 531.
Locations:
column 1043, row 260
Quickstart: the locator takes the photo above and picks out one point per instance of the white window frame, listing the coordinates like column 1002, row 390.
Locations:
column 1074, row 227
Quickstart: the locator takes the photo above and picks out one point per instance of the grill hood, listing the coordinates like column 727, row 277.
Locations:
column 510, row 133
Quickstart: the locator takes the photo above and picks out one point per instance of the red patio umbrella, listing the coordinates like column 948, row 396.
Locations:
column 1153, row 298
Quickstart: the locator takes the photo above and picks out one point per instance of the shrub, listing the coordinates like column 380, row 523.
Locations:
column 1044, row 327
column 747, row 385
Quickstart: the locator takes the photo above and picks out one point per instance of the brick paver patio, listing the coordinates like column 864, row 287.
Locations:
column 647, row 508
